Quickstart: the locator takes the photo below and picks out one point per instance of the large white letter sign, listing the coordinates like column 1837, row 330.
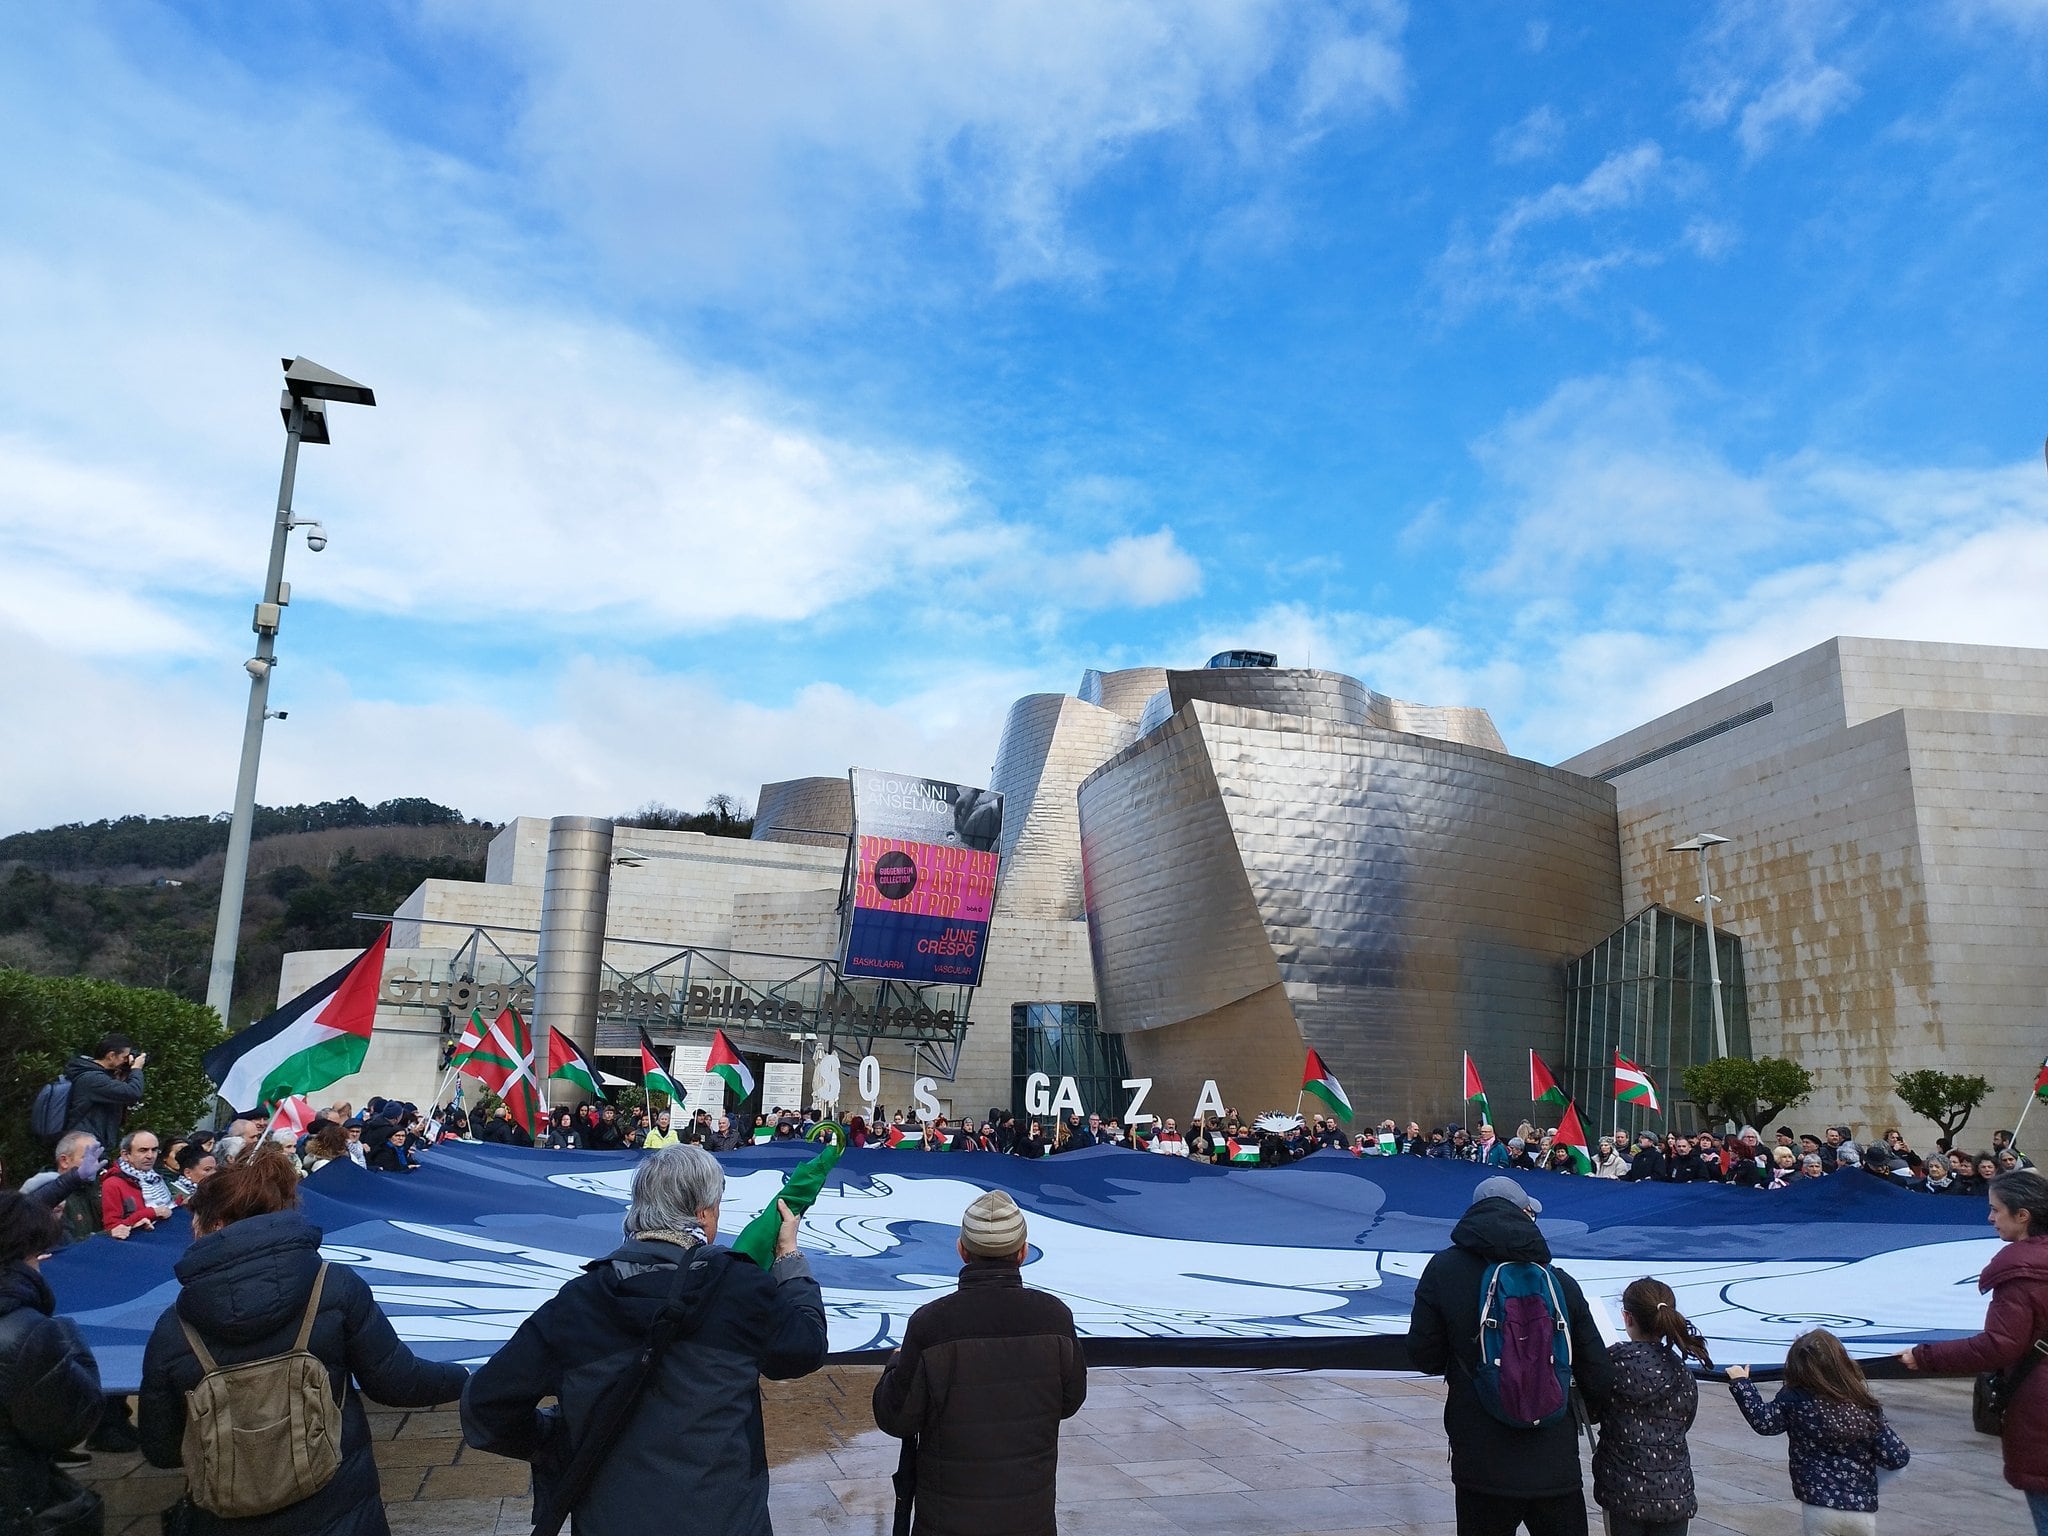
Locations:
column 927, row 1105
column 1210, row 1102
column 1136, row 1114
column 1068, row 1096
column 870, row 1079
column 1037, row 1095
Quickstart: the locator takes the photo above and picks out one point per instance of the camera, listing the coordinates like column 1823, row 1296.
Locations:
column 316, row 537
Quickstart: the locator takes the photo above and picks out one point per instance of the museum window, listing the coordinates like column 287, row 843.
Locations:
column 1061, row 1040
column 1644, row 991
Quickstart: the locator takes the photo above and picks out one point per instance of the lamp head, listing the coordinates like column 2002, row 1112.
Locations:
column 305, row 379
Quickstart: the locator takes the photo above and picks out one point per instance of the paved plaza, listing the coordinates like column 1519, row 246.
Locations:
column 1265, row 1453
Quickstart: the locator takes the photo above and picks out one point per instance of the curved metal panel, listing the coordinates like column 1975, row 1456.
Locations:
column 574, row 900
column 1122, row 693
column 824, row 805
column 1050, row 743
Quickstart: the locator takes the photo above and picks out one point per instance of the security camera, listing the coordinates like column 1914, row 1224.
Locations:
column 316, row 537
column 257, row 667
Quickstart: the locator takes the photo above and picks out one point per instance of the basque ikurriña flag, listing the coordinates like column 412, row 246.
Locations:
column 1632, row 1085
column 503, row 1063
column 318, row 1038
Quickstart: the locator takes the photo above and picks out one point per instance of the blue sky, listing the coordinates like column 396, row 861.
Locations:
column 767, row 389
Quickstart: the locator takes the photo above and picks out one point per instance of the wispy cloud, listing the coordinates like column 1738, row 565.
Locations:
column 1534, row 137
column 1759, row 64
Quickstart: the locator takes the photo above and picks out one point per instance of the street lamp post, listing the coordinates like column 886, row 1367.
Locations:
column 1702, row 844
column 308, row 388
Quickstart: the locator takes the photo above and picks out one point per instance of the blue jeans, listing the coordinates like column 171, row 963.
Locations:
column 2037, row 1506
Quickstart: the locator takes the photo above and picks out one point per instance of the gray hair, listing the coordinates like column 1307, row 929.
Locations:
column 75, row 1141
column 672, row 1185
column 128, row 1140
column 1810, row 1160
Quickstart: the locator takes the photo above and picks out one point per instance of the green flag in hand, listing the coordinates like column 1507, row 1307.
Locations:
column 799, row 1193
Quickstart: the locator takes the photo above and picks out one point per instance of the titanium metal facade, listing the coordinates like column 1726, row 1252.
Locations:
column 1261, row 880
column 815, row 811
column 573, row 909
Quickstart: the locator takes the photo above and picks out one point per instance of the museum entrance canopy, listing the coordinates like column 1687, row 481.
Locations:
column 775, row 1005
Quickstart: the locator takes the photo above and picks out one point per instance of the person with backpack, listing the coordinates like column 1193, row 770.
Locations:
column 1836, row 1425
column 49, row 1382
column 92, row 1093
column 1512, row 1337
column 253, row 1381
column 1642, row 1468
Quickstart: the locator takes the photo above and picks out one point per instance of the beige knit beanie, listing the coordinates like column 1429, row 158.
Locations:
column 993, row 1227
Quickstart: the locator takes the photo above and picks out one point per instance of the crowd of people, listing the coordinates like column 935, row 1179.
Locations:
column 982, row 1381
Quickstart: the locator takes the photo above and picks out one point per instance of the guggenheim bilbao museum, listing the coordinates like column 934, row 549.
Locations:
column 1190, row 877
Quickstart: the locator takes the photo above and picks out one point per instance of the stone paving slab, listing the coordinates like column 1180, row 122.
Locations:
column 1246, row 1453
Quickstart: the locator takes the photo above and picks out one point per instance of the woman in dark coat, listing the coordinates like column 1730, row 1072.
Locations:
column 246, row 1280
column 49, row 1382
column 2017, row 1278
column 1642, row 1469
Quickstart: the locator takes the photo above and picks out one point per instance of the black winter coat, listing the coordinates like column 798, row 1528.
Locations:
column 1643, row 1469
column 1488, row 1456
column 1648, row 1165
column 99, row 1099
column 245, row 1290
column 983, row 1379
column 49, row 1389
column 694, row 1448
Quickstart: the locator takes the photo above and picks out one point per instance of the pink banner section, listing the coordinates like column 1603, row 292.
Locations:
column 929, row 879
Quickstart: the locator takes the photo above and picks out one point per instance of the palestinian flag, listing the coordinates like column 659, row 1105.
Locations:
column 567, row 1063
column 1572, row 1136
column 1322, row 1082
column 503, row 1063
column 319, row 1037
column 1475, row 1091
column 295, row 1114
column 1632, row 1085
column 1543, row 1087
column 2041, row 1082
column 653, row 1079
column 1242, row 1151
column 725, row 1062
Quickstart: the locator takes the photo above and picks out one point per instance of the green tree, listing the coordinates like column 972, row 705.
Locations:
column 1747, row 1092
column 1946, row 1098
column 46, row 1020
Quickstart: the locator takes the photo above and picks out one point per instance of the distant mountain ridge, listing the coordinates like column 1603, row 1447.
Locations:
column 168, row 843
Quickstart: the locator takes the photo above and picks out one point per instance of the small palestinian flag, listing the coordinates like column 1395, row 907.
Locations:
column 2041, row 1082
column 896, row 1138
column 1243, row 1151
column 725, row 1062
column 567, row 1063
column 1632, row 1085
column 1572, row 1136
column 653, row 1079
column 1543, row 1087
column 1322, row 1082
column 294, row 1114
column 1475, row 1091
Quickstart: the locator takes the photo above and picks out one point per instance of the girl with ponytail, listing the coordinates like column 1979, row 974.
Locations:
column 1642, row 1468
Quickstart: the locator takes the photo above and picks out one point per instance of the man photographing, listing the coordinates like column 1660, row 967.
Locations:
column 105, row 1084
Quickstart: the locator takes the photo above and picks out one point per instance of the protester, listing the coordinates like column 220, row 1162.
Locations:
column 247, row 1283
column 1503, row 1475
column 73, row 1190
column 1032, row 1142
column 49, row 1382
column 1642, row 1469
column 1839, row 1437
column 660, row 1135
column 694, row 1441
column 1609, row 1163
column 1648, row 1165
column 980, row 1386
column 133, row 1192
column 2017, row 1278
column 328, row 1145
column 564, row 1135
column 1784, row 1166
column 606, row 1135
column 502, row 1130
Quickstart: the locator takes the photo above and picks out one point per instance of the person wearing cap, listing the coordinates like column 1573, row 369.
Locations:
column 1504, row 1476
column 980, row 1386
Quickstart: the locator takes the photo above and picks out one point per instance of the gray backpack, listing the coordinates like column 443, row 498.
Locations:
column 263, row 1434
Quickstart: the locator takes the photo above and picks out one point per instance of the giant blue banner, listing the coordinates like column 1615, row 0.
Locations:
column 1162, row 1260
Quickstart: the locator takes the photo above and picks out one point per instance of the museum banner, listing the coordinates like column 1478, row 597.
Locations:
column 924, row 886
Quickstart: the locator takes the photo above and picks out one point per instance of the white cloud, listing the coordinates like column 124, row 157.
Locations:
column 1534, row 137
column 728, row 148
column 1140, row 571
column 1759, row 64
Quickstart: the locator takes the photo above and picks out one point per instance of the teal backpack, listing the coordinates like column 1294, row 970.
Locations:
column 1525, row 1345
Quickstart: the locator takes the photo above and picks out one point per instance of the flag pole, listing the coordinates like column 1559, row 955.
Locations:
column 2019, row 1122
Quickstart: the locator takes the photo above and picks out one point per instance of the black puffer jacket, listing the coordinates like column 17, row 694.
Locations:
column 245, row 1289
column 1488, row 1456
column 49, row 1388
column 693, row 1454
column 1642, row 1469
column 984, row 1378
